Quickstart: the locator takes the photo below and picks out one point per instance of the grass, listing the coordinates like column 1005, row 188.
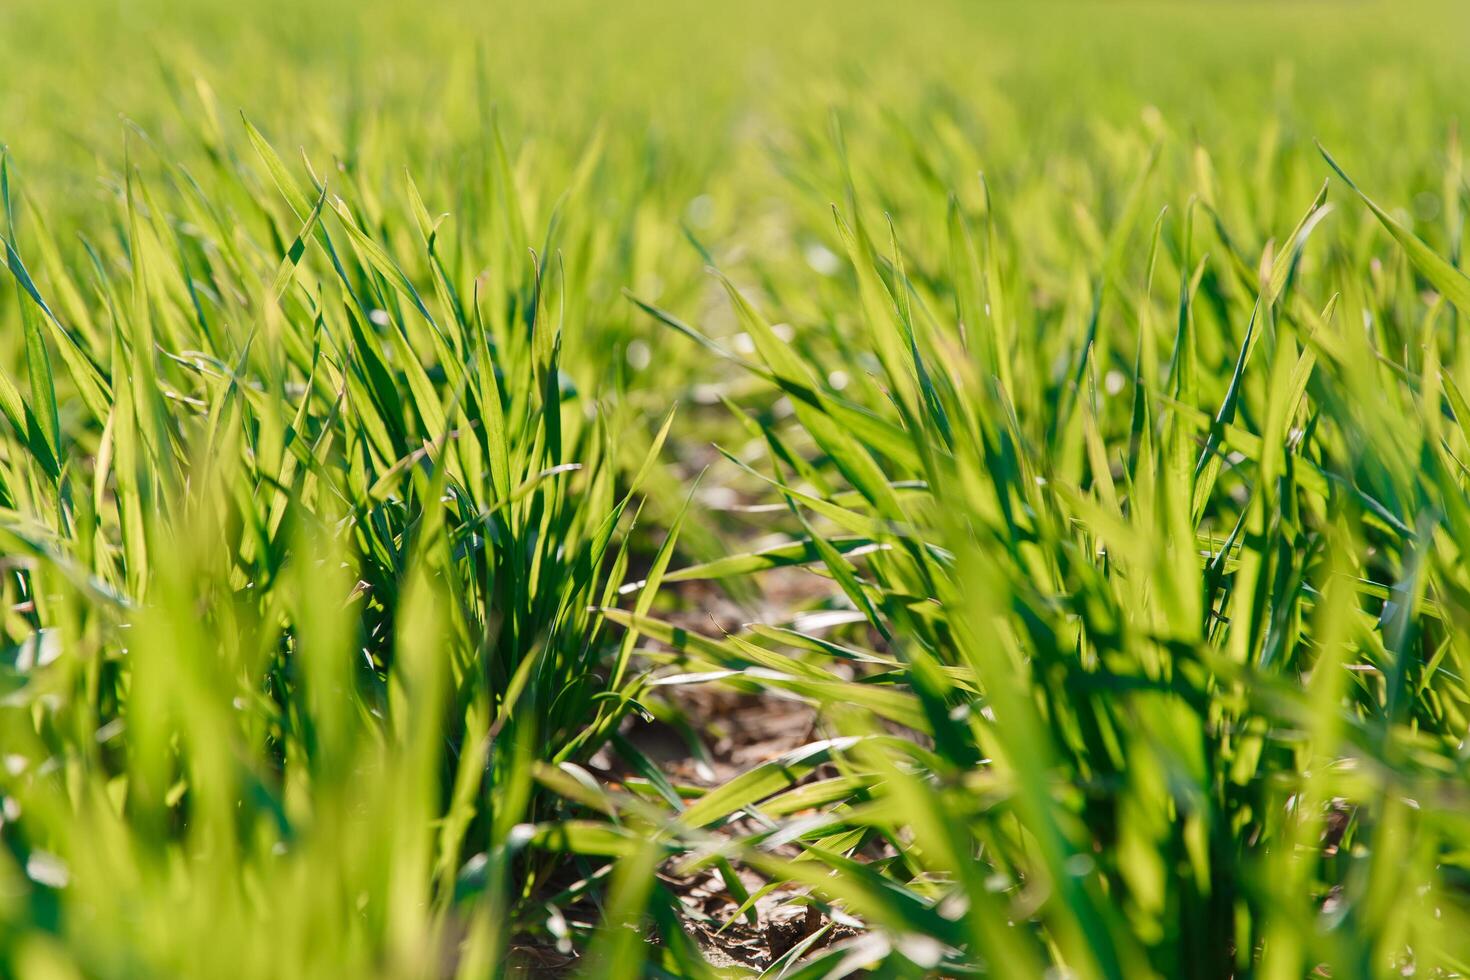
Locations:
column 1069, row 398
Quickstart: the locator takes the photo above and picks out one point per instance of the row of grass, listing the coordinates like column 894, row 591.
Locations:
column 366, row 456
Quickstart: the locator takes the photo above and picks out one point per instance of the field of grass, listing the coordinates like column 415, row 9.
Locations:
column 752, row 489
